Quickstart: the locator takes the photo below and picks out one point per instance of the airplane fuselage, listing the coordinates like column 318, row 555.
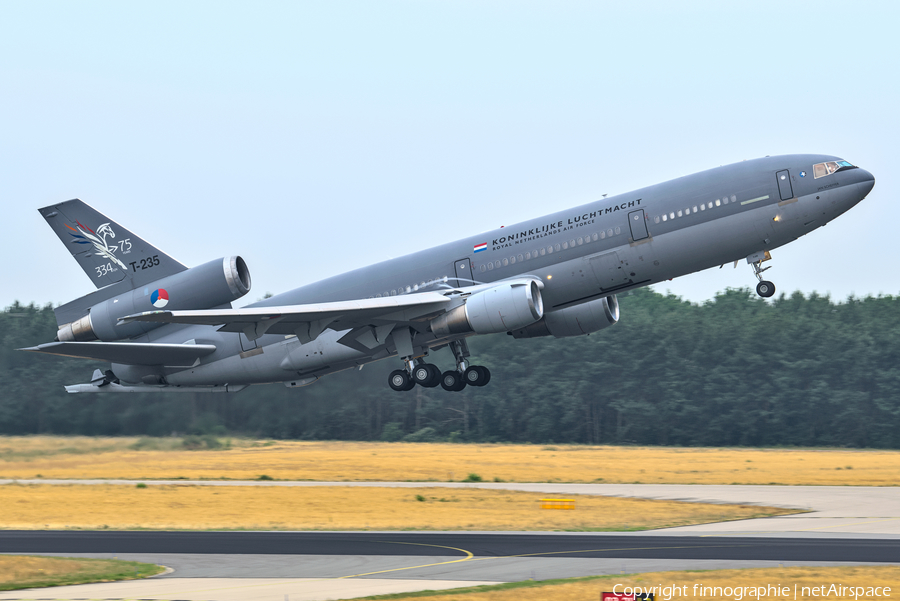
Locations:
column 580, row 254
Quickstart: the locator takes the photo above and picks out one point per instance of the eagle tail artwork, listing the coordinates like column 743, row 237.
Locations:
column 85, row 235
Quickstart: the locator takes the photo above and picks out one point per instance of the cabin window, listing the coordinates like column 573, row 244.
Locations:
column 557, row 247
column 695, row 208
column 580, row 240
column 679, row 212
column 595, row 237
column 521, row 258
column 671, row 215
column 733, row 198
column 718, row 203
column 702, row 208
column 665, row 218
column 710, row 205
column 512, row 260
column 550, row 249
column 618, row 230
column 543, row 252
column 505, row 262
column 609, row 233
column 725, row 200
column 490, row 266
column 565, row 245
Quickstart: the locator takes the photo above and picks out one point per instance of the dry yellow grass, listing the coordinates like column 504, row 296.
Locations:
column 26, row 457
column 19, row 571
column 590, row 590
column 337, row 508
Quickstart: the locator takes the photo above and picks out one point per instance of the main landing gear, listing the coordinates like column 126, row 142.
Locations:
column 764, row 288
column 429, row 376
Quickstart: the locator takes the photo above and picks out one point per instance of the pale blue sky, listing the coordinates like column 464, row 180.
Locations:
column 314, row 138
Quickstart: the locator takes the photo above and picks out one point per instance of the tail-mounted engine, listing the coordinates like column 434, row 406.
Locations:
column 501, row 308
column 574, row 321
column 203, row 287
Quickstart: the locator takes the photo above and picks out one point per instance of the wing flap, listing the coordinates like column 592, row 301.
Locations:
column 129, row 353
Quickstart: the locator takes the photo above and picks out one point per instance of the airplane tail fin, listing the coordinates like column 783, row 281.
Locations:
column 106, row 251
column 112, row 256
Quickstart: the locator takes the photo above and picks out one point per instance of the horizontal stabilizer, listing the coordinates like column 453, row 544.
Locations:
column 128, row 353
column 306, row 321
column 118, row 388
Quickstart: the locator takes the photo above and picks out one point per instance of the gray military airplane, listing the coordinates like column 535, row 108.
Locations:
column 164, row 327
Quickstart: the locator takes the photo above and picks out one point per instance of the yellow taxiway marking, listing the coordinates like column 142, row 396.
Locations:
column 605, row 551
column 469, row 555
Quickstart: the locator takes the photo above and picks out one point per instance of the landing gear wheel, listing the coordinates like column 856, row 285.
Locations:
column 452, row 381
column 435, row 376
column 426, row 375
column 400, row 381
column 476, row 376
column 765, row 289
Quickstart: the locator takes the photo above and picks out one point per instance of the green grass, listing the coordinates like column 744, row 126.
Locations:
column 19, row 572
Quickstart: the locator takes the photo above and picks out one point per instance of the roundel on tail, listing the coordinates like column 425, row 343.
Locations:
column 159, row 298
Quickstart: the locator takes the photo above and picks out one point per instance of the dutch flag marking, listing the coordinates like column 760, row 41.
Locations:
column 480, row 247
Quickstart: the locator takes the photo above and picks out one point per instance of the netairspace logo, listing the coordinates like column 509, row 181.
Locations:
column 767, row 591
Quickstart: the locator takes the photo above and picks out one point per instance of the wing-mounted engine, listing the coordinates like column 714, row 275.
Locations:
column 501, row 308
column 574, row 321
column 203, row 287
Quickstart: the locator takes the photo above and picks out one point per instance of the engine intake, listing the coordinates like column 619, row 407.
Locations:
column 574, row 321
column 505, row 307
column 203, row 287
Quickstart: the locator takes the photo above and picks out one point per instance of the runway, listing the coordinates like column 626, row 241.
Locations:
column 458, row 544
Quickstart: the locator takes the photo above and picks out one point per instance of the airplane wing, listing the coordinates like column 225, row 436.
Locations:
column 131, row 353
column 307, row 322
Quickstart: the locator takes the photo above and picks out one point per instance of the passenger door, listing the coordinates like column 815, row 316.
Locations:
column 638, row 224
column 784, row 184
column 463, row 268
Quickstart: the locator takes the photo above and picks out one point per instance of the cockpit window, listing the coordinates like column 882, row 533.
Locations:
column 829, row 167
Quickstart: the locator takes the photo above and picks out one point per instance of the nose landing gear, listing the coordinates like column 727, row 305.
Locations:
column 764, row 288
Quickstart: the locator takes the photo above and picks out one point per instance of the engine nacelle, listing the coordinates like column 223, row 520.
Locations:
column 203, row 287
column 501, row 308
column 574, row 321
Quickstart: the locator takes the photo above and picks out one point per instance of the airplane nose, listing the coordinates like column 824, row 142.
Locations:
column 867, row 182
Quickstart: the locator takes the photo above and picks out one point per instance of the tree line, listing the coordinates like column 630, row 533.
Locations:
column 736, row 370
